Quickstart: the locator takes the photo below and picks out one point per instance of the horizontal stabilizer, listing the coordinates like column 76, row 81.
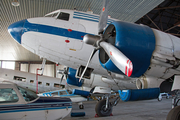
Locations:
column 139, row 94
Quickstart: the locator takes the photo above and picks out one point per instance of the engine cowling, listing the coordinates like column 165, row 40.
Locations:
column 137, row 42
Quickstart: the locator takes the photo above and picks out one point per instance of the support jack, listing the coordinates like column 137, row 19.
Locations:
column 42, row 70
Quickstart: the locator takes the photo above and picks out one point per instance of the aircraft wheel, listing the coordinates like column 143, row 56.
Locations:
column 81, row 106
column 159, row 99
column 100, row 109
column 174, row 114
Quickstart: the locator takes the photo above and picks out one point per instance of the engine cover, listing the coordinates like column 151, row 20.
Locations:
column 143, row 94
column 137, row 42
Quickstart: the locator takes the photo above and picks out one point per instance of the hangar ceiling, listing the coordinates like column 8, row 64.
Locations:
column 125, row 10
column 165, row 17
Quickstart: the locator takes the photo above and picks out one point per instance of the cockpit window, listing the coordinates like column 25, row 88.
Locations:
column 63, row 16
column 52, row 15
column 27, row 94
column 48, row 15
column 55, row 14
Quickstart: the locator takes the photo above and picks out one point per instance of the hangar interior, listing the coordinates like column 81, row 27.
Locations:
column 159, row 14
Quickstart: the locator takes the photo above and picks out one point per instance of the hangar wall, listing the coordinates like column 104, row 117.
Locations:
column 49, row 70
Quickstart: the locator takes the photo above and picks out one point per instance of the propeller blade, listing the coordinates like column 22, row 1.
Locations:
column 92, row 54
column 103, row 16
column 118, row 58
column 62, row 78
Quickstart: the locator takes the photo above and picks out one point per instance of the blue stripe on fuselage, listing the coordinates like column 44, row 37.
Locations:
column 89, row 17
column 37, row 109
column 34, row 107
column 52, row 30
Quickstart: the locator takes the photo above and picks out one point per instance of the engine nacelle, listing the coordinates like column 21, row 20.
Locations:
column 72, row 80
column 137, row 42
column 148, row 82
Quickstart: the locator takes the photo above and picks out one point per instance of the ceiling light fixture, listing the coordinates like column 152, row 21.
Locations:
column 15, row 3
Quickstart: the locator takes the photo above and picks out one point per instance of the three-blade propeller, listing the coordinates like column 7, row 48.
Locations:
column 103, row 17
column 116, row 56
column 63, row 73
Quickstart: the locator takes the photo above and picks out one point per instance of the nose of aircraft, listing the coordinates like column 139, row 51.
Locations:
column 16, row 30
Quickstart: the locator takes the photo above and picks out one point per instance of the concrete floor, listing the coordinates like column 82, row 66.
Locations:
column 138, row 110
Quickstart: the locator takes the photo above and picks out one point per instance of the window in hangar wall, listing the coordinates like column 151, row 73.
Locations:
column 8, row 65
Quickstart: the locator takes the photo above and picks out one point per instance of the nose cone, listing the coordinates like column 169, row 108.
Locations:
column 16, row 30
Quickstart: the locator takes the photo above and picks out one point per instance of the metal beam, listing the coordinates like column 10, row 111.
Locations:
column 170, row 7
column 152, row 22
column 167, row 4
column 174, row 34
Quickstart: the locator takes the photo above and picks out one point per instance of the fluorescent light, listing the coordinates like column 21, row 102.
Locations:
column 15, row 3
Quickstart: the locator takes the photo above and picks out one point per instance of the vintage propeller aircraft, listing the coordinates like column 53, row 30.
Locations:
column 126, row 51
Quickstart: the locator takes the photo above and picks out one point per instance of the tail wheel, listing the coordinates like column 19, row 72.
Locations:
column 174, row 114
column 101, row 109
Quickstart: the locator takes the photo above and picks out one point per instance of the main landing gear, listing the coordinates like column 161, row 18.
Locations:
column 106, row 102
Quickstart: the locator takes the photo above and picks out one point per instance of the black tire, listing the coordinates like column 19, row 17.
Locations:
column 100, row 111
column 174, row 114
column 81, row 106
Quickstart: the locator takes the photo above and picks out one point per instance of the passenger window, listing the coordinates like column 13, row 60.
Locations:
column 69, row 91
column 54, row 93
column 8, row 95
column 47, row 84
column 63, row 16
column 63, row 93
column 31, row 81
column 56, row 85
column 40, row 83
column 20, row 78
column 59, row 85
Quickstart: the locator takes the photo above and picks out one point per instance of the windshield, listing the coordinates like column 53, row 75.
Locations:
column 8, row 95
column 27, row 94
column 52, row 15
